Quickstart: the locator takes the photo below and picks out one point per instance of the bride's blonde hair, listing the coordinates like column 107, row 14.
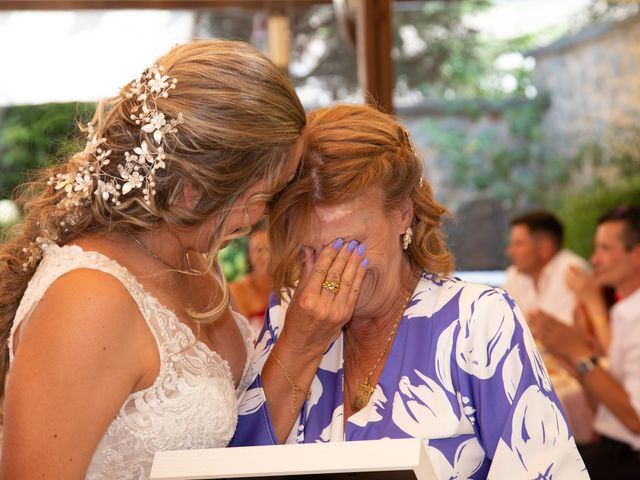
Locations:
column 241, row 119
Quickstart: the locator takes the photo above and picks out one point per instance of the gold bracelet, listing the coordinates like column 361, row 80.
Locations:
column 294, row 388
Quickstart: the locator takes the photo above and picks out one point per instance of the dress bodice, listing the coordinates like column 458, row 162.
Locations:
column 192, row 402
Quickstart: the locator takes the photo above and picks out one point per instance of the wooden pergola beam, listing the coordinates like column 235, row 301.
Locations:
column 373, row 47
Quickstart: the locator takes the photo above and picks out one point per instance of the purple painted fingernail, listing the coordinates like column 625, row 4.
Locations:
column 337, row 243
column 365, row 263
column 352, row 245
column 361, row 249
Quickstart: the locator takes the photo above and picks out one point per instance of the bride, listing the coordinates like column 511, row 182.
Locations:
column 117, row 340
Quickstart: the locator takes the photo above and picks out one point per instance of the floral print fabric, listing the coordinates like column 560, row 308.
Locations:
column 463, row 373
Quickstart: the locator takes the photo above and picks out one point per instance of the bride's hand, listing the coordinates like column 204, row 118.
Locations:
column 319, row 309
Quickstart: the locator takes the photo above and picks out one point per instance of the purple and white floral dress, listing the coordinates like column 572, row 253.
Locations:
column 463, row 374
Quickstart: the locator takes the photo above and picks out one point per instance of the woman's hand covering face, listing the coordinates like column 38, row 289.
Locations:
column 317, row 314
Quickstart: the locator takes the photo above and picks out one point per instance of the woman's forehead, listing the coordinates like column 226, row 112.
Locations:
column 348, row 221
column 336, row 212
column 368, row 200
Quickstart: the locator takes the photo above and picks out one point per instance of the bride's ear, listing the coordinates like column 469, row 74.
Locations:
column 190, row 195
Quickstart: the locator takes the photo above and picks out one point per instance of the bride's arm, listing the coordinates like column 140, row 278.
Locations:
column 83, row 350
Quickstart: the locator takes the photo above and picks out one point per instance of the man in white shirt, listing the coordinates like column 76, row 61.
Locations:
column 616, row 390
column 536, row 279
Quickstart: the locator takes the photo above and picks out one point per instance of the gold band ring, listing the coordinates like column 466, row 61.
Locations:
column 333, row 287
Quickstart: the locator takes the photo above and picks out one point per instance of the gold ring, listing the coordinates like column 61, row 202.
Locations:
column 333, row 287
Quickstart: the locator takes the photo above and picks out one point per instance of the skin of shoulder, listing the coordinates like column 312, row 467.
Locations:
column 241, row 294
column 85, row 348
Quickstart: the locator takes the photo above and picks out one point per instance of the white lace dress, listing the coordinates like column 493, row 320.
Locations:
column 193, row 402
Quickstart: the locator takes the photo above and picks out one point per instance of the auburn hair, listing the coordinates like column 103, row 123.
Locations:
column 348, row 149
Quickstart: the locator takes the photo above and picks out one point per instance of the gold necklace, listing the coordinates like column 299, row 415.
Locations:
column 151, row 252
column 365, row 390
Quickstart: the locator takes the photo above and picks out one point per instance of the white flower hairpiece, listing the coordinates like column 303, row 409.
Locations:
column 140, row 166
column 407, row 139
column 136, row 172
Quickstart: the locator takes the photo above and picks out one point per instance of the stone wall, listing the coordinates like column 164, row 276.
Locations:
column 593, row 80
column 478, row 230
column 471, row 122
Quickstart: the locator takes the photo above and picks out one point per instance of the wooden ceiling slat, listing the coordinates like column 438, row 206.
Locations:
column 160, row 4
column 151, row 4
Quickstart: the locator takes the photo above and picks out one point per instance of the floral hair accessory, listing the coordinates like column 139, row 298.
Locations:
column 140, row 165
column 33, row 252
column 407, row 138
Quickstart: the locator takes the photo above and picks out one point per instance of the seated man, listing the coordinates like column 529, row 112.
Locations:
column 616, row 390
column 536, row 280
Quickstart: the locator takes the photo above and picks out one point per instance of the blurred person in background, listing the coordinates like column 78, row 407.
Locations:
column 592, row 311
column 614, row 389
column 250, row 293
column 537, row 280
column 537, row 277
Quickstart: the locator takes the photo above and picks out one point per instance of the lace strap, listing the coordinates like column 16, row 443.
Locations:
column 57, row 261
column 249, row 371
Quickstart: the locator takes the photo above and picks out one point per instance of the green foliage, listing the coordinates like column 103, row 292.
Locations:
column 580, row 209
column 234, row 259
column 516, row 172
column 615, row 181
column 524, row 120
column 434, row 51
column 625, row 148
column 31, row 136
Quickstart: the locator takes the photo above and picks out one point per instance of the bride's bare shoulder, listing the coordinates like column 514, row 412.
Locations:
column 84, row 307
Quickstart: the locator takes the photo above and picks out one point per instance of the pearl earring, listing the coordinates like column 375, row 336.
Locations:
column 407, row 237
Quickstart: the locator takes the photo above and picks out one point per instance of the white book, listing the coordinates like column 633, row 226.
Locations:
column 386, row 459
